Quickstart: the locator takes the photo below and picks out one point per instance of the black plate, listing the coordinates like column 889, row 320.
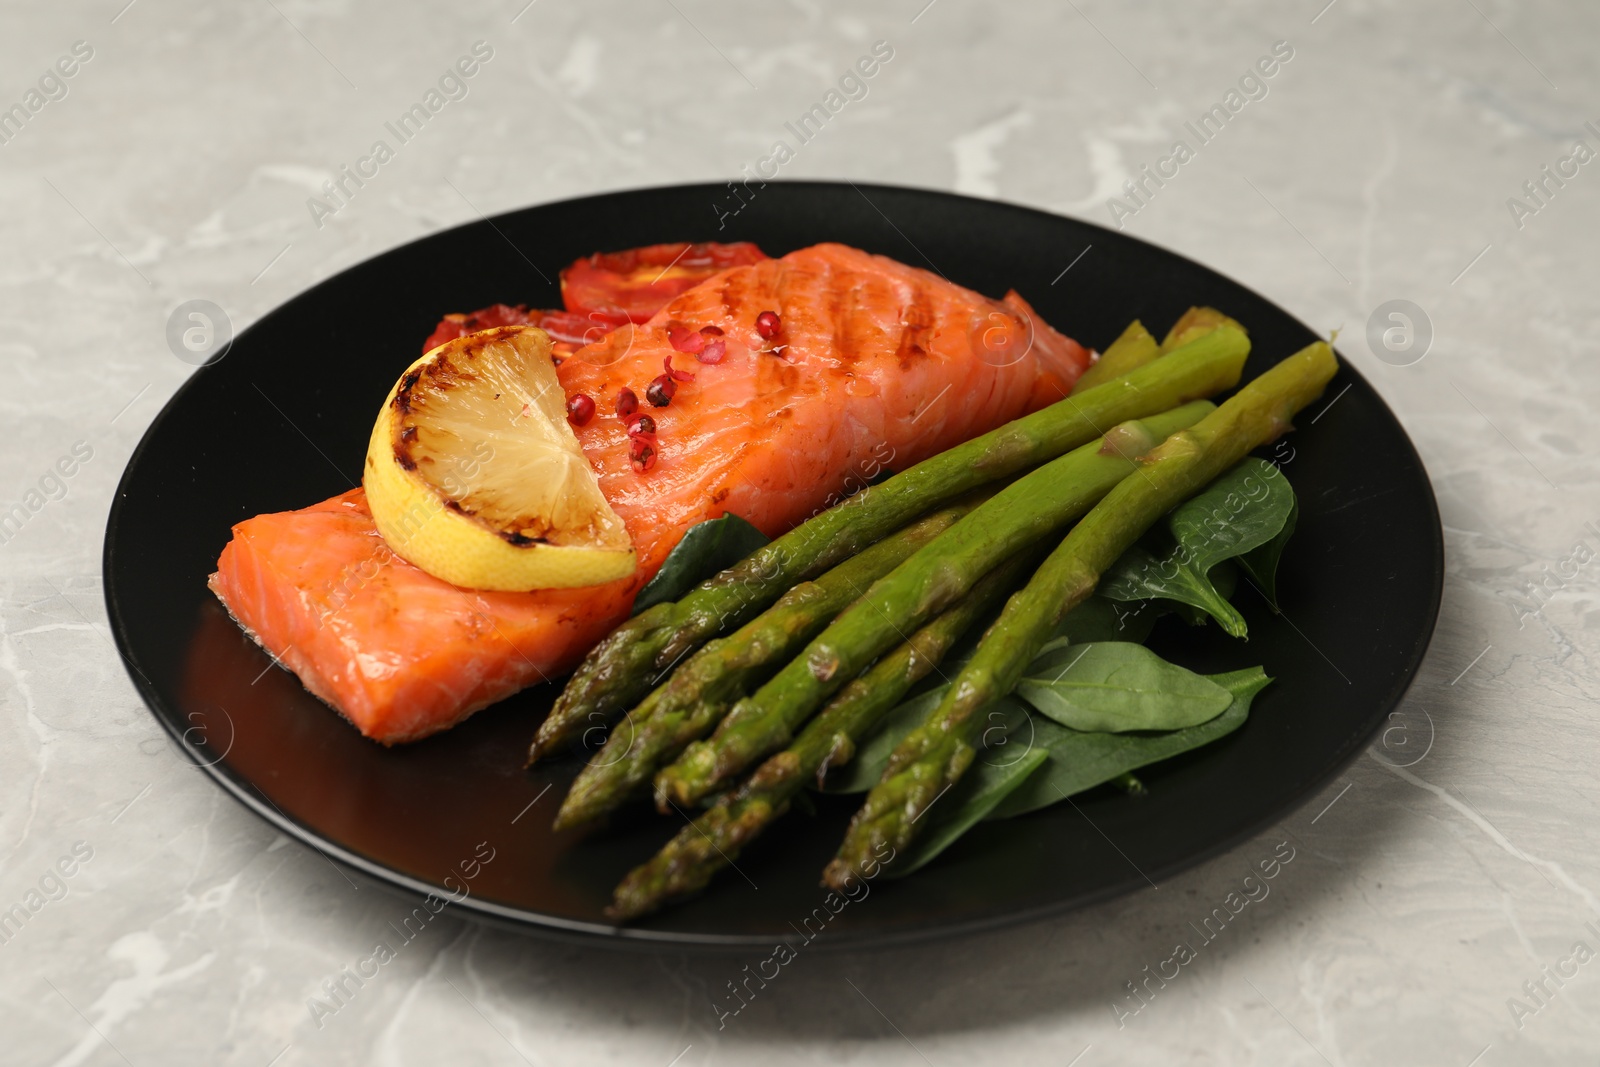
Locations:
column 260, row 430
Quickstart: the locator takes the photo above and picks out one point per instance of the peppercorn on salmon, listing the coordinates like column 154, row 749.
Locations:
column 871, row 364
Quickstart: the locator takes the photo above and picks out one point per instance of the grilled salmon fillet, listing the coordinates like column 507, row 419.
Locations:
column 876, row 364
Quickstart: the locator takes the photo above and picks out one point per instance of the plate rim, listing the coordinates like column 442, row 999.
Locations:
column 594, row 934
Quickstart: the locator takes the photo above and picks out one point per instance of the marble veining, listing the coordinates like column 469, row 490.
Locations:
column 1436, row 903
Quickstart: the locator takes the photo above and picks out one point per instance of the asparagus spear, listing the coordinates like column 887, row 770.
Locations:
column 1132, row 350
column 690, row 860
column 1136, row 347
column 1019, row 515
column 933, row 757
column 689, row 704
column 617, row 672
column 1196, row 322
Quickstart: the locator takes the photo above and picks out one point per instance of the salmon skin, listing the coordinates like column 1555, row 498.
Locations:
column 875, row 364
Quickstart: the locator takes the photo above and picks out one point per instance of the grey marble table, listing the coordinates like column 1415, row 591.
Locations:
column 1438, row 906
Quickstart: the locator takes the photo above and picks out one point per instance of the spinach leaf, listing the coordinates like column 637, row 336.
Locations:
column 1100, row 619
column 1096, row 619
column 1261, row 564
column 1244, row 509
column 707, row 548
column 1138, row 617
column 1059, row 762
column 1080, row 761
column 1003, row 719
column 1029, row 762
column 1224, row 578
column 985, row 786
column 1138, row 575
column 1116, row 686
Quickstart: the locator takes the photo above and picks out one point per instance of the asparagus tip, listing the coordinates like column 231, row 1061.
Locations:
column 551, row 734
column 575, row 811
column 837, row 874
column 625, row 909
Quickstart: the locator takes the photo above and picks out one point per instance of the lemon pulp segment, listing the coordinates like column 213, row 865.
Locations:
column 474, row 475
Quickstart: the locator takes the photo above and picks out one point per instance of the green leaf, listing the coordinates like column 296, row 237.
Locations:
column 1100, row 619
column 1080, row 761
column 999, row 784
column 1117, row 686
column 986, row 784
column 1053, row 762
column 1139, row 617
column 1002, row 719
column 707, row 548
column 1261, row 564
column 1140, row 576
column 1245, row 509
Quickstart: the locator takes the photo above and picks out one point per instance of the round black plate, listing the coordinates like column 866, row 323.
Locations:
column 281, row 421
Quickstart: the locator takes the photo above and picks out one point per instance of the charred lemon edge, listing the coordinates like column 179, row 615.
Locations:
column 417, row 524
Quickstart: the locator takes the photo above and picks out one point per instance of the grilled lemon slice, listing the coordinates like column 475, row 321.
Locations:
column 474, row 475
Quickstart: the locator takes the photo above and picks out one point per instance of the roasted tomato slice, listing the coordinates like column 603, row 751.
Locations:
column 633, row 285
column 452, row 326
column 607, row 290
